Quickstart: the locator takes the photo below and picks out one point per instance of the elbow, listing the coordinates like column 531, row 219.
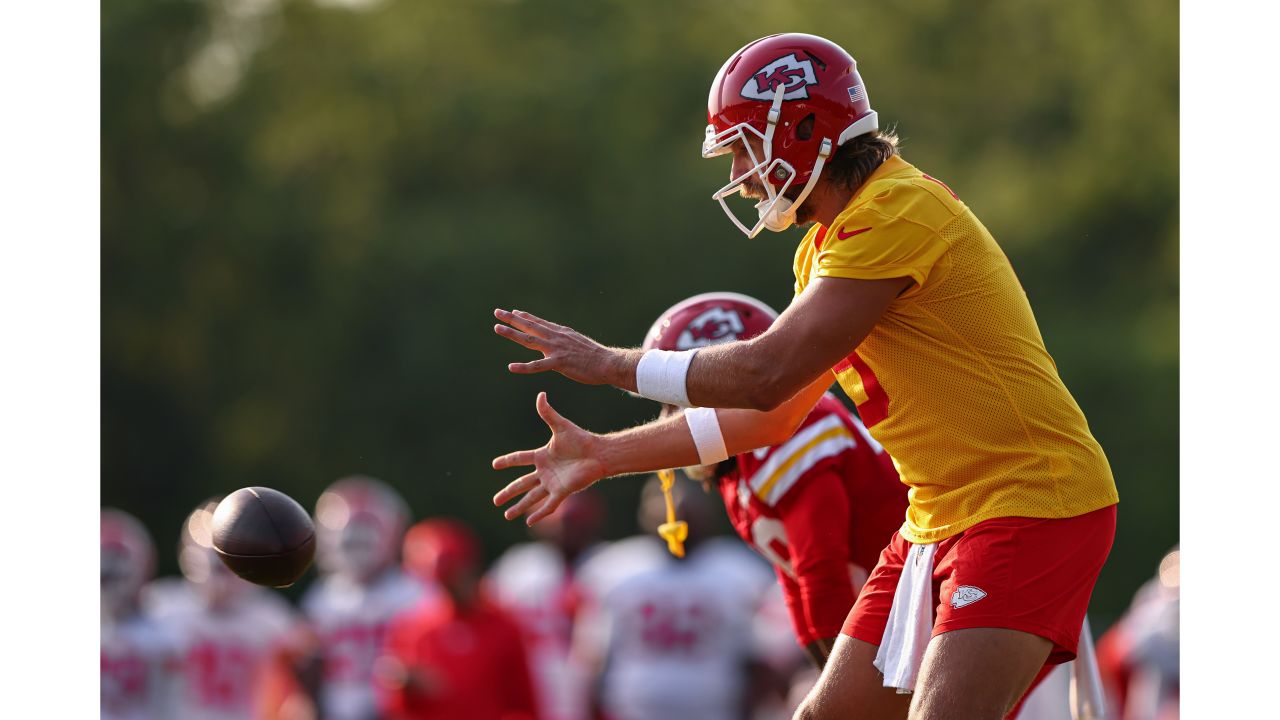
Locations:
column 768, row 381
column 763, row 400
column 765, row 391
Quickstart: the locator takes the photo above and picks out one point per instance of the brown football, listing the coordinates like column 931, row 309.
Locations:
column 264, row 536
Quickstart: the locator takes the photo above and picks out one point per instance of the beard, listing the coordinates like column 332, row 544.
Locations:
column 805, row 214
column 752, row 190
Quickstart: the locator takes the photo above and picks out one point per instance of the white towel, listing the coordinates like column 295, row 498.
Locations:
column 910, row 621
column 1086, row 682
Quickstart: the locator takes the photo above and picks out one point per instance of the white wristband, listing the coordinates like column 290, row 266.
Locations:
column 660, row 376
column 705, row 428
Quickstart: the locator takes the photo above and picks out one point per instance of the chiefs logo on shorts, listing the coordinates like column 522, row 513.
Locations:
column 966, row 595
column 716, row 325
column 789, row 72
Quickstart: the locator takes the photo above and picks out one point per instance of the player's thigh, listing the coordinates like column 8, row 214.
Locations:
column 977, row 673
column 851, row 687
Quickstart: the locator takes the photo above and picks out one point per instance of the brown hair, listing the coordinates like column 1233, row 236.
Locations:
column 854, row 161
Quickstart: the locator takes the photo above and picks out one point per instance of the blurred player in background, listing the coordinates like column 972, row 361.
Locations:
column 1139, row 654
column 360, row 524
column 226, row 630
column 820, row 506
column 537, row 582
column 676, row 640
column 461, row 656
column 137, row 657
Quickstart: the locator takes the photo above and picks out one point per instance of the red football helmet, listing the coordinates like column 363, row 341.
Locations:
column 128, row 559
column 767, row 90
column 441, row 550
column 709, row 319
column 359, row 523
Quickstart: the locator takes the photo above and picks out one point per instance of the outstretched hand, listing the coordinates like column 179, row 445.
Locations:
column 565, row 351
column 565, row 465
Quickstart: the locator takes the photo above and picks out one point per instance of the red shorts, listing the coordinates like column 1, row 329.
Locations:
column 1028, row 574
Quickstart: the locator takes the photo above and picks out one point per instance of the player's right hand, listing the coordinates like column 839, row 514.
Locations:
column 566, row 351
column 565, row 465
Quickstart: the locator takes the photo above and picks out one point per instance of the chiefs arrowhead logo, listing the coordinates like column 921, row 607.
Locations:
column 789, row 72
column 716, row 325
column 966, row 595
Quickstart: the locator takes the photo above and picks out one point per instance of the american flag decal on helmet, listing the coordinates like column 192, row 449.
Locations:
column 856, row 93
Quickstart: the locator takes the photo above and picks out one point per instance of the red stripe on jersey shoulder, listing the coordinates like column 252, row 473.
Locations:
column 944, row 185
column 876, row 408
column 819, row 238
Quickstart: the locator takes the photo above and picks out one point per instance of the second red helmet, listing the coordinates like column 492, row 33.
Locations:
column 709, row 319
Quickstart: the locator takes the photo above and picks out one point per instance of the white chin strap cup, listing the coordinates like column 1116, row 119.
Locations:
column 775, row 216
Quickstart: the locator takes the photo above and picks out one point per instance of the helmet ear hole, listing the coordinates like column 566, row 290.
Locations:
column 804, row 128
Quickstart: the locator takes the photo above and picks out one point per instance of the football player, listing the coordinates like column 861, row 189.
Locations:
column 1139, row 653
column 819, row 507
column 904, row 298
column 227, row 631
column 675, row 639
column 462, row 656
column 137, row 657
column 538, row 582
column 360, row 523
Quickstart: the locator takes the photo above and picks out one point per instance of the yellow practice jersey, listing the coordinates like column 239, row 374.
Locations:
column 954, row 380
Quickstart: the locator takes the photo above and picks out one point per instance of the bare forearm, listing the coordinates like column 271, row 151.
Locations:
column 661, row 444
column 747, row 375
column 754, row 375
column 668, row 443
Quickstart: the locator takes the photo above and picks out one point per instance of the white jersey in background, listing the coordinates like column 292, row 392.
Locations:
column 617, row 561
column 222, row 655
column 533, row 581
column 350, row 621
column 137, row 669
column 676, row 639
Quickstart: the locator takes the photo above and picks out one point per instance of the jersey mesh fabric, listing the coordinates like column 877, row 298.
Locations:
column 955, row 381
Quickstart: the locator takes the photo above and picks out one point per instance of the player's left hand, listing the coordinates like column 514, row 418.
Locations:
column 565, row 465
column 565, row 351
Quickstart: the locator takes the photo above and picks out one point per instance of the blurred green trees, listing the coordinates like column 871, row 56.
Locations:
column 310, row 209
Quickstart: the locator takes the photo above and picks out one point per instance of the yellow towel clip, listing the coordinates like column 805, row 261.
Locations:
column 675, row 532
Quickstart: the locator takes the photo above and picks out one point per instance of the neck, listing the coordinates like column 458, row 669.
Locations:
column 828, row 201
column 830, row 197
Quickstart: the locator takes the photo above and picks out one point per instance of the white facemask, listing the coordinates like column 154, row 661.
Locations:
column 777, row 212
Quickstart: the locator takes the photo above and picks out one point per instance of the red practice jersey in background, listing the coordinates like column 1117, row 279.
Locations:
column 468, row 663
column 820, row 507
